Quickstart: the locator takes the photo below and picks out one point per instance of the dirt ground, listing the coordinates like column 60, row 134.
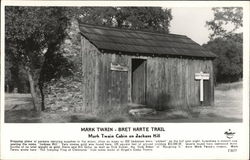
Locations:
column 227, row 108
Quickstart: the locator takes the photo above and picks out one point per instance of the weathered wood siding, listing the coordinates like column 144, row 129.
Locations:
column 104, row 90
column 89, row 54
column 170, row 82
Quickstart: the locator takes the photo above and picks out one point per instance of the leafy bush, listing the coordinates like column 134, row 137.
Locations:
column 229, row 63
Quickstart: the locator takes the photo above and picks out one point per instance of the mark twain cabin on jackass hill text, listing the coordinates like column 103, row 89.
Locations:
column 158, row 70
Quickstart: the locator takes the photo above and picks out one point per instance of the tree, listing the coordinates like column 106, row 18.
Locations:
column 8, row 74
column 226, row 43
column 33, row 34
column 140, row 18
column 228, row 65
column 15, row 76
column 222, row 17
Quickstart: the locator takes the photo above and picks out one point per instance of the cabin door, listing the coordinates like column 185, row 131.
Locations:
column 139, row 81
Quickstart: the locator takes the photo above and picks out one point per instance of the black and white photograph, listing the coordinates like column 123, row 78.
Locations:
column 123, row 64
column 124, row 80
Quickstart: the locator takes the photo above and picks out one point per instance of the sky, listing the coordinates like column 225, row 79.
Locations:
column 191, row 22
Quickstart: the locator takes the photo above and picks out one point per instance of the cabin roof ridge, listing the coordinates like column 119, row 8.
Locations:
column 133, row 30
column 192, row 43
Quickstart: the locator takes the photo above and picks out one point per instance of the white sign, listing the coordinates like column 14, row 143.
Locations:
column 201, row 76
column 118, row 68
column 204, row 76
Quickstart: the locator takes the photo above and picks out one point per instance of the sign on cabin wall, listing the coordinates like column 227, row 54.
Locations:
column 201, row 76
column 118, row 67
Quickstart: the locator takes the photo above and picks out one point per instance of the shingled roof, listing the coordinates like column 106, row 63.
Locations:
column 141, row 42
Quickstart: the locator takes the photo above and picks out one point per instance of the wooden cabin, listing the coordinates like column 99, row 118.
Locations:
column 122, row 66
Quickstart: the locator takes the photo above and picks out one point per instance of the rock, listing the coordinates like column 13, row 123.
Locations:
column 65, row 109
column 142, row 111
column 65, row 93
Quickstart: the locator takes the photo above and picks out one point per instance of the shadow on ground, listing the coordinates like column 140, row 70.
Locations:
column 30, row 116
column 22, row 116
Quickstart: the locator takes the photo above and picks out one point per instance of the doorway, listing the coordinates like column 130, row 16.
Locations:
column 139, row 81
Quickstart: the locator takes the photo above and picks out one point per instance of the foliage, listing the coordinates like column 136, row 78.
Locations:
column 15, row 76
column 31, row 32
column 222, row 17
column 226, row 43
column 228, row 65
column 141, row 18
column 32, row 36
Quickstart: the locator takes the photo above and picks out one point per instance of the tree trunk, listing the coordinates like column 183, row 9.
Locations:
column 42, row 95
column 35, row 90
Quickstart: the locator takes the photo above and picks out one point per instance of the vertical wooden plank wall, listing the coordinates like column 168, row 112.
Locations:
column 171, row 82
column 89, row 54
column 119, row 85
column 103, row 90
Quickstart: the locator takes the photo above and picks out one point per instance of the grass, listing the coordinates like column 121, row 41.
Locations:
column 229, row 86
column 228, row 108
column 228, row 100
